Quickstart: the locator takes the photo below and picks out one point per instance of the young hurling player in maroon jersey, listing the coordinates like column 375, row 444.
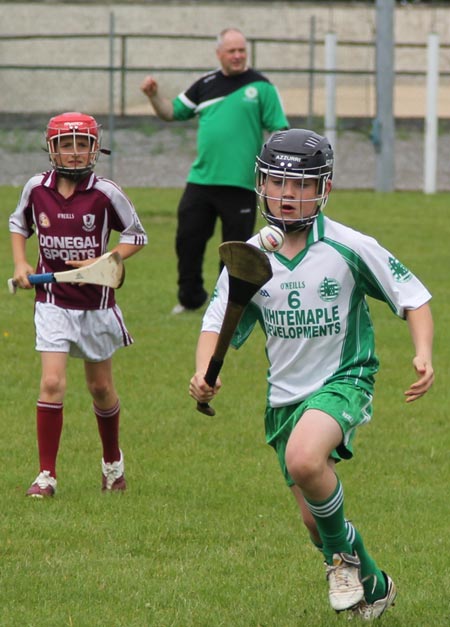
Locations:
column 72, row 212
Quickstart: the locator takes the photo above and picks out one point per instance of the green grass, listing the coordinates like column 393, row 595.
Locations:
column 207, row 535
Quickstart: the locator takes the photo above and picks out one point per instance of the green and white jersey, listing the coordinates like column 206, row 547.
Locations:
column 314, row 311
column 233, row 112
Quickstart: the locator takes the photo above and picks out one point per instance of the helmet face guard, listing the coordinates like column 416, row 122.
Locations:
column 72, row 125
column 294, row 154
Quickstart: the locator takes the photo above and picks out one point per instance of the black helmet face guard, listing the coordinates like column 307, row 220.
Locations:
column 296, row 154
column 266, row 173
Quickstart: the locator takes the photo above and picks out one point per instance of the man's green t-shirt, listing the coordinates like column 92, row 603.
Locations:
column 233, row 113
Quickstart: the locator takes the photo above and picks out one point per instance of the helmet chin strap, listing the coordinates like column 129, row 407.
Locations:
column 287, row 227
column 74, row 175
column 293, row 226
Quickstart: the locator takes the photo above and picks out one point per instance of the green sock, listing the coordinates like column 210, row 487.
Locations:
column 330, row 521
column 373, row 579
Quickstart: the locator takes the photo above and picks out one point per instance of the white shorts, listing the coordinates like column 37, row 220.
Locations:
column 92, row 335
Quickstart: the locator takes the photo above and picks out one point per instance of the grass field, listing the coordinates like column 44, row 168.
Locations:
column 207, row 535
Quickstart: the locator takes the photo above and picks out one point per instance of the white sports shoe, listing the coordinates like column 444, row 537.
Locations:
column 43, row 485
column 344, row 580
column 178, row 309
column 113, row 477
column 370, row 611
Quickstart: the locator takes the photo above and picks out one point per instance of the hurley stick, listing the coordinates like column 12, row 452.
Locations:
column 108, row 270
column 248, row 270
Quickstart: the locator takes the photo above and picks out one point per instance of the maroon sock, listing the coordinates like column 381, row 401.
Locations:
column 49, row 419
column 108, row 428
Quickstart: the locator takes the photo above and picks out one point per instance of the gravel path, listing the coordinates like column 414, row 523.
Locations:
column 149, row 153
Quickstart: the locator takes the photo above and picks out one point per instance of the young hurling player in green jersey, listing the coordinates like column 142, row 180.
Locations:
column 320, row 347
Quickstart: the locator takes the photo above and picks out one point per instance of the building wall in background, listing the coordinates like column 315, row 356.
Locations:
column 42, row 90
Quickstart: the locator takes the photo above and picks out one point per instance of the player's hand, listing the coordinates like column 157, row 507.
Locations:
column 149, row 86
column 200, row 390
column 80, row 263
column 425, row 378
column 21, row 272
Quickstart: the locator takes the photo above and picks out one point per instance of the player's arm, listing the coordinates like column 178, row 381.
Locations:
column 198, row 388
column 127, row 250
column 21, row 266
column 421, row 328
column 124, row 250
column 162, row 106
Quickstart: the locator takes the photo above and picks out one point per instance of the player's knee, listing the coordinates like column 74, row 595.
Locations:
column 52, row 386
column 303, row 467
column 100, row 391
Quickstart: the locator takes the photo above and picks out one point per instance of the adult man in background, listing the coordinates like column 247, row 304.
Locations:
column 235, row 104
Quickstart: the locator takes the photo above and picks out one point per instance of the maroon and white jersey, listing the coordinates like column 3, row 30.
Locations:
column 73, row 229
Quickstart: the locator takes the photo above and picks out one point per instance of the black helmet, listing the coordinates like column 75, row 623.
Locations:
column 295, row 153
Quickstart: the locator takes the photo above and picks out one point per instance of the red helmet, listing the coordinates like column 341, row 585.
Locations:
column 73, row 124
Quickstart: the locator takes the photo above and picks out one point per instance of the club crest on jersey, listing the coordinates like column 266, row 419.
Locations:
column 400, row 272
column 43, row 220
column 329, row 290
column 251, row 93
column 89, row 222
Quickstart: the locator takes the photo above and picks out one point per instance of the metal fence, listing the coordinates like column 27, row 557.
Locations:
column 99, row 73
column 102, row 70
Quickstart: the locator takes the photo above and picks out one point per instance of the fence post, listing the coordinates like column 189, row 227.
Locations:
column 123, row 73
column 312, row 41
column 330, row 88
column 385, row 156
column 111, row 93
column 431, row 119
